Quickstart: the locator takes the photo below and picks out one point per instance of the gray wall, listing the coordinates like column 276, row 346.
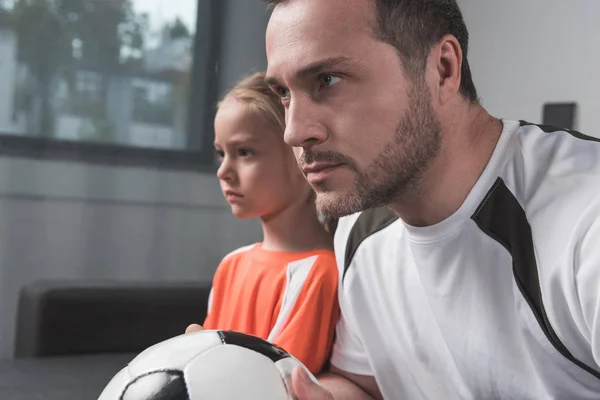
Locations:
column 65, row 220
column 527, row 53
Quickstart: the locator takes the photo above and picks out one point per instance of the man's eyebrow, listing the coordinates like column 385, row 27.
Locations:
column 323, row 65
column 272, row 81
column 315, row 68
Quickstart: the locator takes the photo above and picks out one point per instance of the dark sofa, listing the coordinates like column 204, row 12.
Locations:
column 73, row 337
column 75, row 317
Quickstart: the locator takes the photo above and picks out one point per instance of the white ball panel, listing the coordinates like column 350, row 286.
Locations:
column 231, row 373
column 174, row 353
column 115, row 387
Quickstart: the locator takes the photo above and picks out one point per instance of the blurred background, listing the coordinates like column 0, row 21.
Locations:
column 106, row 107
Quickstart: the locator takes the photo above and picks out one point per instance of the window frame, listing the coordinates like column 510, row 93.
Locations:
column 199, row 137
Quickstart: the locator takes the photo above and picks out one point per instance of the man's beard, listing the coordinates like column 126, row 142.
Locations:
column 395, row 173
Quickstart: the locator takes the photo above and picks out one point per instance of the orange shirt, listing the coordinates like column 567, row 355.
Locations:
column 289, row 299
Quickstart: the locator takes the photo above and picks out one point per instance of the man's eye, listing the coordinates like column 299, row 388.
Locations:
column 284, row 93
column 329, row 80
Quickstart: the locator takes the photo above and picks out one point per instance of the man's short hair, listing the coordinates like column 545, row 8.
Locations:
column 413, row 27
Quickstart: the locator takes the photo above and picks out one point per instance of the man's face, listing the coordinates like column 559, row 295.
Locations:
column 363, row 133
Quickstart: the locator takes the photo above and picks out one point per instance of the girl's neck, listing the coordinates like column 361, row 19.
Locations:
column 295, row 229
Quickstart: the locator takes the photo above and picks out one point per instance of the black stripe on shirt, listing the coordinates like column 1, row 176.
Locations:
column 552, row 129
column 501, row 217
column 369, row 222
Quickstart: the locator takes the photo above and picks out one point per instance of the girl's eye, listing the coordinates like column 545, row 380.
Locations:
column 220, row 154
column 244, row 152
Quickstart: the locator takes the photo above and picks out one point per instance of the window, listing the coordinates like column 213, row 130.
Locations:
column 102, row 74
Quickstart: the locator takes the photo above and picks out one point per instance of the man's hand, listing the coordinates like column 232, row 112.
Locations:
column 306, row 389
column 335, row 384
column 194, row 328
column 345, row 385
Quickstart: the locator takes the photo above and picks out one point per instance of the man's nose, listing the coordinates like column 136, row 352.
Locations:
column 303, row 127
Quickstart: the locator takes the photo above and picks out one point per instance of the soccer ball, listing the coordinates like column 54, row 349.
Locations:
column 213, row 365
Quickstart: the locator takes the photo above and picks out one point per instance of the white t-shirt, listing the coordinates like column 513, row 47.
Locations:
column 499, row 301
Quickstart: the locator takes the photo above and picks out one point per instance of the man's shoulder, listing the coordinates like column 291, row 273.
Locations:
column 354, row 230
column 563, row 150
column 556, row 172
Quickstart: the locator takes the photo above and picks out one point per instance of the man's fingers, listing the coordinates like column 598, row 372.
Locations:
column 194, row 328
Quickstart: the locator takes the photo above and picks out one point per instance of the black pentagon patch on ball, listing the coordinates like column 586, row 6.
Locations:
column 259, row 345
column 157, row 385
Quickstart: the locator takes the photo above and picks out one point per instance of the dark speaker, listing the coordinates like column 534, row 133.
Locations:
column 560, row 115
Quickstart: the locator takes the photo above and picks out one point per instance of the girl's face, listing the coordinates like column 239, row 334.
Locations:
column 259, row 175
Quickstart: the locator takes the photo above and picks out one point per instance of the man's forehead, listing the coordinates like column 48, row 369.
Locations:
column 304, row 32
column 328, row 9
column 298, row 20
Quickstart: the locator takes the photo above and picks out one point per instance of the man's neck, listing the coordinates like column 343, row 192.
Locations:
column 467, row 147
column 295, row 229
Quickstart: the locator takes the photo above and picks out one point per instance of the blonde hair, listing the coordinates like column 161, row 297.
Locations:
column 254, row 92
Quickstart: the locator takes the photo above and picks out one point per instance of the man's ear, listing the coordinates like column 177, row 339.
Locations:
column 448, row 58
